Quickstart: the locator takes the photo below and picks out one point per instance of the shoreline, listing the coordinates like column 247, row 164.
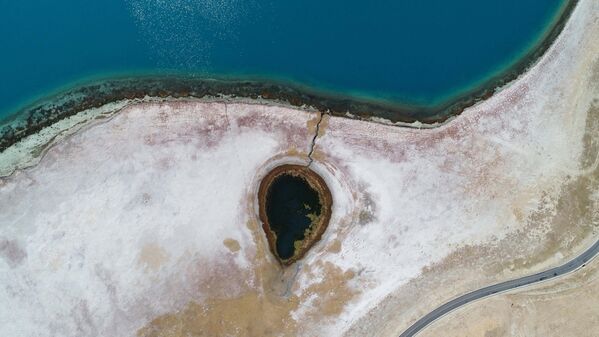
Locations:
column 507, row 158
column 46, row 112
column 485, row 198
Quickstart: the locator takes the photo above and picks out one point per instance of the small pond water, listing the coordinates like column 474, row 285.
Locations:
column 291, row 204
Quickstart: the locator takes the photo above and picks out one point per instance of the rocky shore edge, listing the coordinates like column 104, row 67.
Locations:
column 47, row 112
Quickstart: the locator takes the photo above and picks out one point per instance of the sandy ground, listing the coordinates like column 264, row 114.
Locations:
column 567, row 307
column 144, row 221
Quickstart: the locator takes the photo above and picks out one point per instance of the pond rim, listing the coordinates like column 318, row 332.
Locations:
column 317, row 229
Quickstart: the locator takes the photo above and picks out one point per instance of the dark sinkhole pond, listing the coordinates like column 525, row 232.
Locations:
column 291, row 206
column 295, row 207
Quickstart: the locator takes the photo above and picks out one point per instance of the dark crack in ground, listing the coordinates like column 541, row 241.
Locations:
column 313, row 144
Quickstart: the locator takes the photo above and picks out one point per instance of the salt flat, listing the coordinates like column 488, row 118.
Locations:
column 145, row 221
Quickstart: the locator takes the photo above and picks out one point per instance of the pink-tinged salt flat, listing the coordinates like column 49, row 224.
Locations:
column 145, row 221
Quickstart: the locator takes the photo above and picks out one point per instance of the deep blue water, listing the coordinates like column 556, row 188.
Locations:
column 288, row 202
column 411, row 51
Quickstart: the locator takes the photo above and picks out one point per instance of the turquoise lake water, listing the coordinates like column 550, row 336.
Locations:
column 411, row 51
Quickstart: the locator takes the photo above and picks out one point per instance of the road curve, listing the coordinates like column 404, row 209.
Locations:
column 577, row 262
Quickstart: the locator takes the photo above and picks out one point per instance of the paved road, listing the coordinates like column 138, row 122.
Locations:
column 578, row 262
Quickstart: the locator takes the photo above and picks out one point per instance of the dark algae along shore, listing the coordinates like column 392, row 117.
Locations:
column 393, row 60
column 295, row 208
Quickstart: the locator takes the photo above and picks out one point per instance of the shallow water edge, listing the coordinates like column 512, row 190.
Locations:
column 48, row 111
